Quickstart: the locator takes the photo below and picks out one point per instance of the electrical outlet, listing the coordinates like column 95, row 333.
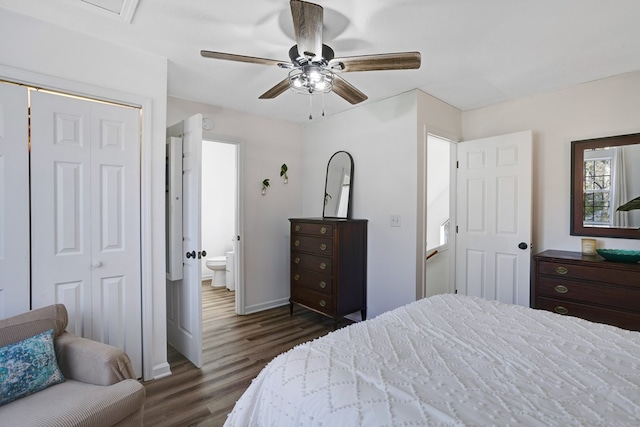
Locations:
column 395, row 220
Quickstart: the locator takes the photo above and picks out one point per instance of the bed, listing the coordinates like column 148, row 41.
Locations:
column 452, row 360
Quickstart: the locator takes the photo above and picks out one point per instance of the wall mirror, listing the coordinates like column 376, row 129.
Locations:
column 605, row 175
column 338, row 186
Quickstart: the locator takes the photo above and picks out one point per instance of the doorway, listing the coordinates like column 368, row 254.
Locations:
column 187, row 252
column 440, row 158
column 219, row 204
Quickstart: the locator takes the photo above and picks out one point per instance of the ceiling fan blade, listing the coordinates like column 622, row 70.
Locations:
column 240, row 58
column 307, row 23
column 278, row 89
column 384, row 61
column 347, row 91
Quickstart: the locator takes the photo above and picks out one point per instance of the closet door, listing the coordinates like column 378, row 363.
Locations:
column 85, row 223
column 14, row 201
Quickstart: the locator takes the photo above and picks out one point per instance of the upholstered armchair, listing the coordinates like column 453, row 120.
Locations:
column 95, row 384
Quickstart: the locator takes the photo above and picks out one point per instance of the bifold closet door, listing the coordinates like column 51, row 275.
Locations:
column 85, row 220
column 14, row 201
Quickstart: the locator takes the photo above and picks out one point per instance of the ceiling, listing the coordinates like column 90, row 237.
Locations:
column 474, row 53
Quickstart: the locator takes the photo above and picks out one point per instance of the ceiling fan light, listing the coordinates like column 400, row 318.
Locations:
column 310, row 80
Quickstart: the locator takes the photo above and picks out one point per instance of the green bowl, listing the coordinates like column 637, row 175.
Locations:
column 619, row 255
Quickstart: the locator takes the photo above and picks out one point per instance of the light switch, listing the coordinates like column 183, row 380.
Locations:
column 395, row 220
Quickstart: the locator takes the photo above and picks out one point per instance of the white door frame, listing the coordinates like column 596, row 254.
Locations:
column 150, row 371
column 238, row 244
column 421, row 262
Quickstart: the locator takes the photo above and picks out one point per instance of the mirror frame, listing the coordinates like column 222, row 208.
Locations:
column 326, row 178
column 577, row 186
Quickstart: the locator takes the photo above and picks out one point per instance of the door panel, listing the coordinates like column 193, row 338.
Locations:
column 494, row 217
column 184, row 297
column 85, row 225
column 14, row 201
column 61, row 207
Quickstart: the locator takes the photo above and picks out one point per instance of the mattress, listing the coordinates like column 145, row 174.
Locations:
column 452, row 360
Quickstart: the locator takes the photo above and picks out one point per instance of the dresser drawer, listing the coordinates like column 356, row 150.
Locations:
column 585, row 292
column 314, row 300
column 318, row 245
column 312, row 228
column 558, row 269
column 316, row 282
column 315, row 263
column 595, row 314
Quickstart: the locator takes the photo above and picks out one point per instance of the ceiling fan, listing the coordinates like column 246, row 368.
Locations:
column 314, row 67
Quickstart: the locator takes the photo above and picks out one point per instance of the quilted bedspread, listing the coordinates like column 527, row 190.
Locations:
column 453, row 360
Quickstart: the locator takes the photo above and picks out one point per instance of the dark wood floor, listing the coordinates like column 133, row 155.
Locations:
column 236, row 348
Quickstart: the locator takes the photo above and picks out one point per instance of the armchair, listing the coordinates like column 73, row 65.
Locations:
column 100, row 388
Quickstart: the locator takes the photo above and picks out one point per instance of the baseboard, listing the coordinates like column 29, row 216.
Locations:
column 266, row 305
column 160, row 371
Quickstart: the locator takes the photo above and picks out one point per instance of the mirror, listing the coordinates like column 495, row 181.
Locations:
column 337, row 186
column 604, row 176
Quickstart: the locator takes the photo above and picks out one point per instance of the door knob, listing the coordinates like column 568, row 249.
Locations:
column 204, row 253
column 96, row 264
column 191, row 254
column 523, row 245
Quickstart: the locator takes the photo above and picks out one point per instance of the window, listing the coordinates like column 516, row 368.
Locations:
column 597, row 188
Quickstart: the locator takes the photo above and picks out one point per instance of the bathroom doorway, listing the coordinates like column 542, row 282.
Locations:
column 219, row 221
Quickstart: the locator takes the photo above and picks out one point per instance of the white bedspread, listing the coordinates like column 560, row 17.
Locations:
column 453, row 360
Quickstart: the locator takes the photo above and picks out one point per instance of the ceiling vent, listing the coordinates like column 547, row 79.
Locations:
column 121, row 8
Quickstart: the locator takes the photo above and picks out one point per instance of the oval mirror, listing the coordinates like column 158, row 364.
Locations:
column 337, row 186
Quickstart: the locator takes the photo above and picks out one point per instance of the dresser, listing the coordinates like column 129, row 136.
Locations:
column 329, row 265
column 587, row 286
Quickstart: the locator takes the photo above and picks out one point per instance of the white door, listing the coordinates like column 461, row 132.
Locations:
column 85, row 217
column 493, row 246
column 14, row 201
column 184, row 297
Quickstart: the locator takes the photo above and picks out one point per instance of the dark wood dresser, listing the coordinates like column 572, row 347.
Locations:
column 587, row 286
column 329, row 265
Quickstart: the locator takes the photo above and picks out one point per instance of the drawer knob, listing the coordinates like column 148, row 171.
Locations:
column 296, row 277
column 561, row 310
column 561, row 289
column 297, row 227
column 296, row 260
column 323, row 303
column 323, row 266
column 323, row 247
column 323, row 230
column 323, row 285
column 296, row 243
column 561, row 270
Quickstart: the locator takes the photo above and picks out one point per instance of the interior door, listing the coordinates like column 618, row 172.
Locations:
column 184, row 297
column 85, row 217
column 14, row 201
column 493, row 242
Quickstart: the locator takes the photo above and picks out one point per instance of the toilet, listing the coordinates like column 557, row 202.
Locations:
column 218, row 265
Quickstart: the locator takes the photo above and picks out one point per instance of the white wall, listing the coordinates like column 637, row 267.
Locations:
column 265, row 145
column 601, row 108
column 218, row 199
column 54, row 57
column 384, row 139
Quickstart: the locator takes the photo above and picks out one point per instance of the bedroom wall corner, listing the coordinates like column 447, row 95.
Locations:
column 381, row 138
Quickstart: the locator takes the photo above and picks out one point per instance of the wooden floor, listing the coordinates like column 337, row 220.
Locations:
column 236, row 348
